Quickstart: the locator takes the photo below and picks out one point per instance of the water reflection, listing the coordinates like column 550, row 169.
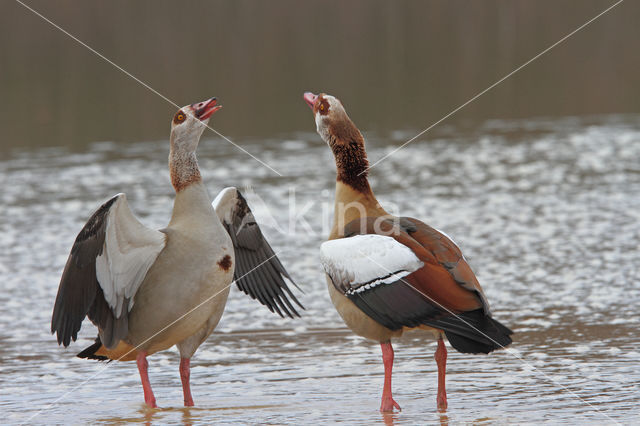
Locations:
column 545, row 210
column 389, row 418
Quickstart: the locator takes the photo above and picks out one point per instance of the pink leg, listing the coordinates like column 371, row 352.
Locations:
column 441, row 360
column 143, row 366
column 388, row 404
column 185, row 372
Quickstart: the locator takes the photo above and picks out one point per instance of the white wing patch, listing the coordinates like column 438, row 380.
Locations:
column 224, row 203
column 130, row 248
column 361, row 262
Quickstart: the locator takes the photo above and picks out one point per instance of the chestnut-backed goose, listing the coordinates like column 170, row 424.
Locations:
column 389, row 274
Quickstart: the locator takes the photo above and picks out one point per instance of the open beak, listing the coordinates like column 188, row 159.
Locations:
column 204, row 110
column 310, row 99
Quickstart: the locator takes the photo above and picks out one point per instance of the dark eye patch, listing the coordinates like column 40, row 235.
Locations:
column 179, row 117
column 322, row 107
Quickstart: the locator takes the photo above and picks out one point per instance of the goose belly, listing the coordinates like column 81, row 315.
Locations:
column 179, row 295
column 359, row 322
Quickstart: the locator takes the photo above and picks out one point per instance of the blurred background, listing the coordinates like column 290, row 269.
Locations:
column 401, row 64
column 538, row 182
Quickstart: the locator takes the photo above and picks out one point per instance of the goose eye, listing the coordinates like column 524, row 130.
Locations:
column 179, row 117
column 321, row 107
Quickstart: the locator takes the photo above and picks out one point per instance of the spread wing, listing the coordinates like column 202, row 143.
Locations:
column 411, row 276
column 108, row 262
column 258, row 272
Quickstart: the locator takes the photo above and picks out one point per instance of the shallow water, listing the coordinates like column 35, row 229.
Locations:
column 546, row 211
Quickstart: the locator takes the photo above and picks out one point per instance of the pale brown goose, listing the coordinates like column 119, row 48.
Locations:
column 390, row 274
column 147, row 290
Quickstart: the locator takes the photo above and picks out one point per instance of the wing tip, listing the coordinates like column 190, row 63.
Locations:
column 474, row 332
column 90, row 352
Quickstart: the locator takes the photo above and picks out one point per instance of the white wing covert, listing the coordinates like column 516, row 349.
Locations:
column 362, row 262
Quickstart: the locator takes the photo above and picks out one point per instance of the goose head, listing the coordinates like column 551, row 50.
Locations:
column 334, row 125
column 190, row 121
column 343, row 137
column 331, row 118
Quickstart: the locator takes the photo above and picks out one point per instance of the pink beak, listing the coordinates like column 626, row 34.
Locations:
column 204, row 110
column 310, row 99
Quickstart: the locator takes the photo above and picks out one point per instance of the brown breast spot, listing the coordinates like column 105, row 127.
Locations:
column 225, row 263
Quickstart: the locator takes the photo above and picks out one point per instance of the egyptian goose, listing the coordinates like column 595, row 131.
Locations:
column 389, row 274
column 147, row 290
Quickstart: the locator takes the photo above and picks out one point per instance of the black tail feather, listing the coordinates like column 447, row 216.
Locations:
column 90, row 352
column 474, row 332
